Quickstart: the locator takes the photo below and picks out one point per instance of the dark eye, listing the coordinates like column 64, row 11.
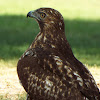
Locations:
column 42, row 15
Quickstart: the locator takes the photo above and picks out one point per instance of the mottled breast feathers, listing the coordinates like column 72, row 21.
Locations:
column 48, row 69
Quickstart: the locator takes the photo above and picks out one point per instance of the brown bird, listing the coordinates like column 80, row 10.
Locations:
column 48, row 69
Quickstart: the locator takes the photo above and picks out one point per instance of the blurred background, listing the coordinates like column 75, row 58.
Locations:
column 82, row 26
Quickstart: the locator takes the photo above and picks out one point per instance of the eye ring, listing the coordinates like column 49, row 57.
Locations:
column 42, row 15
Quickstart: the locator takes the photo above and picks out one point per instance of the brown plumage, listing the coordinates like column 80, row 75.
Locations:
column 48, row 69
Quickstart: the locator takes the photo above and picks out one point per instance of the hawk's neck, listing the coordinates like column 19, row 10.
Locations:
column 52, row 38
column 51, row 33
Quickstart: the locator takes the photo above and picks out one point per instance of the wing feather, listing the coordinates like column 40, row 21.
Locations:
column 48, row 76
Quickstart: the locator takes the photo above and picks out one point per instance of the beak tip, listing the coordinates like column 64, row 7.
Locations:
column 28, row 15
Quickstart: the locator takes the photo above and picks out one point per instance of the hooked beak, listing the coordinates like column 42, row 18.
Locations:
column 33, row 14
column 30, row 14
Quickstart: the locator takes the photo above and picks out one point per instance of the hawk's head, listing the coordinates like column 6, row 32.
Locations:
column 47, row 18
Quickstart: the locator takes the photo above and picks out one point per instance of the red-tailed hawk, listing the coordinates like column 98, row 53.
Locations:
column 48, row 69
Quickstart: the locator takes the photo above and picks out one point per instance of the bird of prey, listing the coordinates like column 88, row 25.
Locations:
column 48, row 70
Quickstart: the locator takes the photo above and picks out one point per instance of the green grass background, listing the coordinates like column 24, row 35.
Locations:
column 82, row 20
column 82, row 26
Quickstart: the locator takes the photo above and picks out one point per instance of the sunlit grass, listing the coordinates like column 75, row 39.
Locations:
column 11, row 89
column 71, row 9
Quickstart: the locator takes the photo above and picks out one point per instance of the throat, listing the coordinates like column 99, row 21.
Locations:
column 51, row 35
column 54, row 42
column 47, row 40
